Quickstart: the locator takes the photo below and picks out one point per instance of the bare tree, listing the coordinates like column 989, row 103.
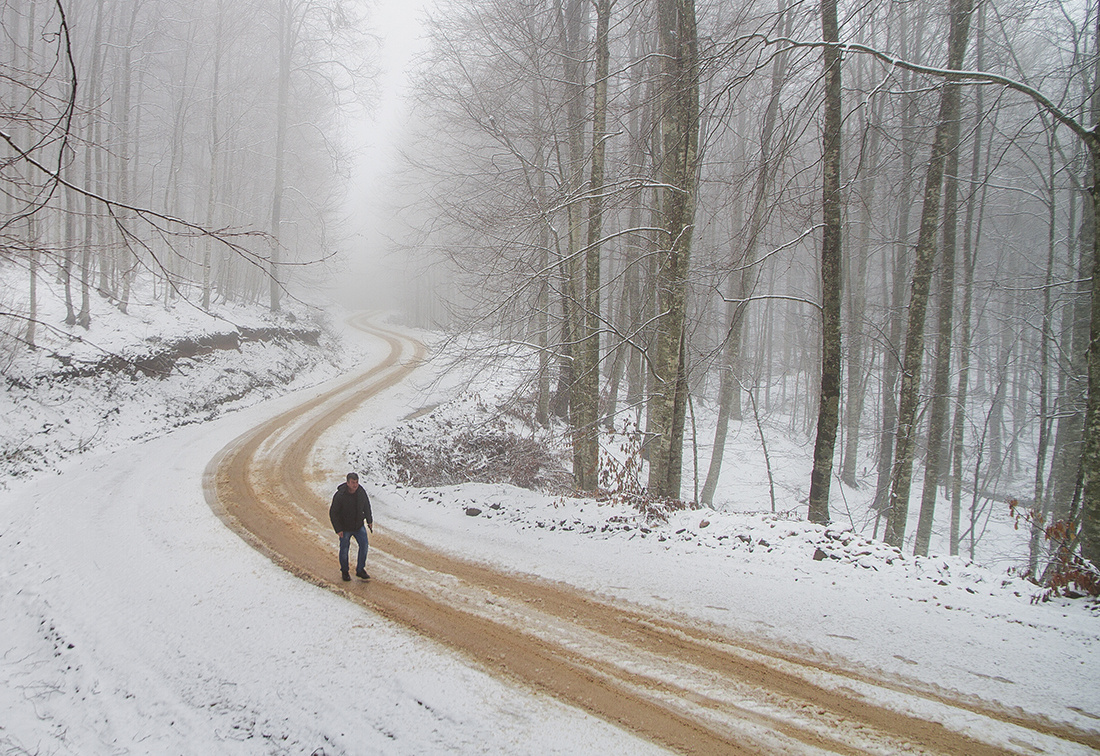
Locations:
column 918, row 299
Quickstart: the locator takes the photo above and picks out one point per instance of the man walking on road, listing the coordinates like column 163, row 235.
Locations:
column 350, row 509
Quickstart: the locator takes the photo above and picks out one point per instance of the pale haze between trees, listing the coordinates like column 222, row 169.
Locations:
column 375, row 279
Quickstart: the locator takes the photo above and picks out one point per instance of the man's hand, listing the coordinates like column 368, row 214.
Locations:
column 370, row 527
column 339, row 534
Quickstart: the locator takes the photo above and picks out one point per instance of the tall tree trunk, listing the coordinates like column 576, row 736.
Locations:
column 586, row 447
column 542, row 303
column 1066, row 462
column 625, row 351
column 282, row 116
column 176, row 158
column 1090, row 452
column 857, row 301
column 941, row 372
column 971, row 239
column 128, row 253
column 901, row 479
column 104, row 287
column 1039, row 508
column 571, row 25
column 1090, row 445
column 679, row 156
column 84, row 317
column 891, row 364
column 215, row 138
column 32, row 226
column 828, row 414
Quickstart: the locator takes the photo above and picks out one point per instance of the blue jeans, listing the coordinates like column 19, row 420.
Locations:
column 345, row 545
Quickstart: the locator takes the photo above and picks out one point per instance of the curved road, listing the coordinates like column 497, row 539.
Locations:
column 680, row 683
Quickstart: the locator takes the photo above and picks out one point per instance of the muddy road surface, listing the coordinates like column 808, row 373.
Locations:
column 686, row 685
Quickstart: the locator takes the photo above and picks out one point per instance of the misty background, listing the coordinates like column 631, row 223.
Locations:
column 698, row 220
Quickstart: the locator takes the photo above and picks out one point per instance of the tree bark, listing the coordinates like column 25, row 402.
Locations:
column 282, row 115
column 901, row 478
column 941, row 377
column 1090, row 453
column 678, row 168
column 586, row 449
column 828, row 414
column 891, row 362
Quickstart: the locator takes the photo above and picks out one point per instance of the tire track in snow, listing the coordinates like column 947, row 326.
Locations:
column 680, row 683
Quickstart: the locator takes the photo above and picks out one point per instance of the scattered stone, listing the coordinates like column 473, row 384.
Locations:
column 472, row 511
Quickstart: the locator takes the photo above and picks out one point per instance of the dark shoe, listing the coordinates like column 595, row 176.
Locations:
column 345, row 575
column 362, row 574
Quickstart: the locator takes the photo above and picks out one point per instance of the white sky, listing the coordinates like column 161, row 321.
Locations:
column 397, row 23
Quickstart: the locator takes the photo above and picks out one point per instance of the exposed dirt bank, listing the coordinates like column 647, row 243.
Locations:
column 156, row 358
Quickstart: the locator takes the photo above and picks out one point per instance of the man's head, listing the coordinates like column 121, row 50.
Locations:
column 353, row 481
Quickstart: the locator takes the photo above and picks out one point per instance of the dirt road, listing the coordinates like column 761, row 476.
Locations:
column 680, row 683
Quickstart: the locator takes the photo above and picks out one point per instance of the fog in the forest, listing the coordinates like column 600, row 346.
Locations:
column 780, row 218
column 376, row 273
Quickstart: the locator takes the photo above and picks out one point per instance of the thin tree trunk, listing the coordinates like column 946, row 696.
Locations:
column 1039, row 508
column 857, row 362
column 215, row 138
column 971, row 239
column 891, row 363
column 828, row 414
column 282, row 116
column 32, row 226
column 941, row 372
column 84, row 317
column 587, row 391
column 901, row 479
column 542, row 303
column 70, row 245
column 128, row 254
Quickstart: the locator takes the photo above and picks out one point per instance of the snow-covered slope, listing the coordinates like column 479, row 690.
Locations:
column 136, row 375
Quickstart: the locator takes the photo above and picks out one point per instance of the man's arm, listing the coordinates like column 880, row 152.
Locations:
column 332, row 514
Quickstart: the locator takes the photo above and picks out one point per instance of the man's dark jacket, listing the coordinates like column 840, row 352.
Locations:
column 349, row 510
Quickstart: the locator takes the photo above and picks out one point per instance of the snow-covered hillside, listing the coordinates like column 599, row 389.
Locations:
column 136, row 375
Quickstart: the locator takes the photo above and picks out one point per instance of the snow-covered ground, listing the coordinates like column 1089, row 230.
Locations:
column 119, row 380
column 829, row 591
column 135, row 622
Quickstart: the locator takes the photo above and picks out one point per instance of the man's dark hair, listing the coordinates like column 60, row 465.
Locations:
column 353, row 476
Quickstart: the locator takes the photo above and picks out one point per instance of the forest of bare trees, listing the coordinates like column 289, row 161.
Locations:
column 869, row 225
column 869, row 222
column 189, row 148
